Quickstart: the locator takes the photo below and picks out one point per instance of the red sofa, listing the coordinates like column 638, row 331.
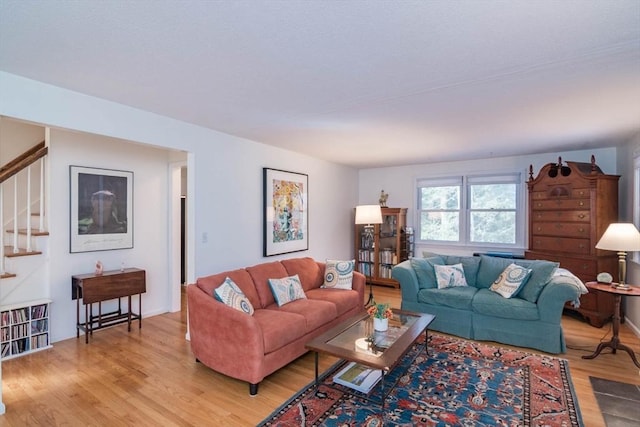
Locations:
column 251, row 347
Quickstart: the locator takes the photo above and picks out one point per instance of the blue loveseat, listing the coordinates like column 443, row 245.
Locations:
column 530, row 318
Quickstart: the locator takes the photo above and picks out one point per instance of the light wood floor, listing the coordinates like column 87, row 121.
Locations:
column 149, row 377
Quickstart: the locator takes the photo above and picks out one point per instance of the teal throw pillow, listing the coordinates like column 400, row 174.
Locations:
column 541, row 273
column 470, row 264
column 511, row 280
column 286, row 289
column 489, row 270
column 338, row 274
column 424, row 268
column 450, row 276
column 230, row 294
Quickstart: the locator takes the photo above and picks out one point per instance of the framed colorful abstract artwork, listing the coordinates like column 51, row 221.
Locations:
column 286, row 209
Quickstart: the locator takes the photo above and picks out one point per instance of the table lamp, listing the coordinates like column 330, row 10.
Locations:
column 622, row 238
column 368, row 215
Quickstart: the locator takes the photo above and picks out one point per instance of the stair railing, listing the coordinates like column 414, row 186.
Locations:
column 13, row 169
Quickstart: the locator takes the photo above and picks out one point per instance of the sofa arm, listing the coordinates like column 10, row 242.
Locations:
column 359, row 284
column 408, row 280
column 552, row 299
column 223, row 338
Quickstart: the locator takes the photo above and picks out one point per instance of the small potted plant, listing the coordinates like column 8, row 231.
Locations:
column 381, row 313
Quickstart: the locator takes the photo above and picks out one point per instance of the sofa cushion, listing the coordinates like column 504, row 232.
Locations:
column 240, row 277
column 338, row 274
column 260, row 274
column 511, row 280
column 279, row 328
column 541, row 272
column 449, row 276
column 425, row 271
column 230, row 294
column 343, row 299
column 459, row 297
column 316, row 313
column 470, row 264
column 491, row 304
column 286, row 289
column 307, row 269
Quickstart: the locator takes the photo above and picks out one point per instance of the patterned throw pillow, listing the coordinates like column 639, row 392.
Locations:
column 230, row 294
column 286, row 289
column 511, row 280
column 338, row 274
column 449, row 276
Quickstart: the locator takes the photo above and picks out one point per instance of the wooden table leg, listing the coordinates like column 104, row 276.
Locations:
column 614, row 344
column 139, row 311
column 129, row 313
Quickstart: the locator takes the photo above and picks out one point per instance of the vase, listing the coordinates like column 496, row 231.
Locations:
column 380, row 325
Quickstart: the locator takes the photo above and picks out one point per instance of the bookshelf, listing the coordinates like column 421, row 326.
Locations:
column 24, row 328
column 392, row 243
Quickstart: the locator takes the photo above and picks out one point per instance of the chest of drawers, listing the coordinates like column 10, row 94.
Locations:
column 570, row 207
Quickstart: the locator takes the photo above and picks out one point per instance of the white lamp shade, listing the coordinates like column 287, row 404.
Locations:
column 621, row 237
column 368, row 214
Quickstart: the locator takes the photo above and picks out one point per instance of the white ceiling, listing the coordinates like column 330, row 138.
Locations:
column 364, row 83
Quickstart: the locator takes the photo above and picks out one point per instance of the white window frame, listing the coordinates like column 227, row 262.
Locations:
column 464, row 181
column 636, row 196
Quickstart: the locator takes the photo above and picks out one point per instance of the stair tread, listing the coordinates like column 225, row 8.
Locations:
column 34, row 232
column 8, row 252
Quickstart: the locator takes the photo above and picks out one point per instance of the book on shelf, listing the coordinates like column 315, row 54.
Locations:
column 358, row 377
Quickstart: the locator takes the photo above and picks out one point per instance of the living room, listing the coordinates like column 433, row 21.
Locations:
column 224, row 190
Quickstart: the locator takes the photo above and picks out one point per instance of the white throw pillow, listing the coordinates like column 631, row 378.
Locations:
column 230, row 294
column 338, row 274
column 449, row 276
column 511, row 280
column 286, row 289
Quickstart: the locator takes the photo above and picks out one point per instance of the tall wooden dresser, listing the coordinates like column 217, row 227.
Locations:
column 570, row 206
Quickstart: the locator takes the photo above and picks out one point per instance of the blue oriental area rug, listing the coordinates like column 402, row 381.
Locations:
column 457, row 383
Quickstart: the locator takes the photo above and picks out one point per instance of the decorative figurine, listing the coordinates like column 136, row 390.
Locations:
column 99, row 268
column 383, row 199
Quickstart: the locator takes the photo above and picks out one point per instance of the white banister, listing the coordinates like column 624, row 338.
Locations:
column 41, row 207
column 29, row 208
column 15, row 214
column 1, row 231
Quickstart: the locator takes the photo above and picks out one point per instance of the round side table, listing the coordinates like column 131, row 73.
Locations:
column 614, row 344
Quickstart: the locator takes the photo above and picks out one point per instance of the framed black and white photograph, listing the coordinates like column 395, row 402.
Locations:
column 101, row 209
column 286, row 206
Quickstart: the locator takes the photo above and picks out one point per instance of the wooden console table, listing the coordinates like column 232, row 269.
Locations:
column 110, row 285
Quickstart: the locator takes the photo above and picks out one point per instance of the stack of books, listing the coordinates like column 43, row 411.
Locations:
column 358, row 377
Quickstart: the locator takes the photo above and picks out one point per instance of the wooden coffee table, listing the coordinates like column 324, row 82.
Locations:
column 340, row 341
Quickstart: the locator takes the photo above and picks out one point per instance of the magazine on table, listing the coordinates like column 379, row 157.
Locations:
column 358, row 377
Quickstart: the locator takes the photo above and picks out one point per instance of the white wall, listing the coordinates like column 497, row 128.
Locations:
column 626, row 155
column 150, row 221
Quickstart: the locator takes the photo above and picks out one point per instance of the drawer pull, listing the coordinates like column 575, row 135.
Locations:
column 581, row 216
column 539, row 205
column 539, row 228
column 581, row 203
column 581, row 230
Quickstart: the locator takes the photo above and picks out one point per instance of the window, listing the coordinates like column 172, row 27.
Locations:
column 636, row 198
column 471, row 210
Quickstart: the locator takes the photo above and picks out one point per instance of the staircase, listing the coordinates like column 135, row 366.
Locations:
column 22, row 208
